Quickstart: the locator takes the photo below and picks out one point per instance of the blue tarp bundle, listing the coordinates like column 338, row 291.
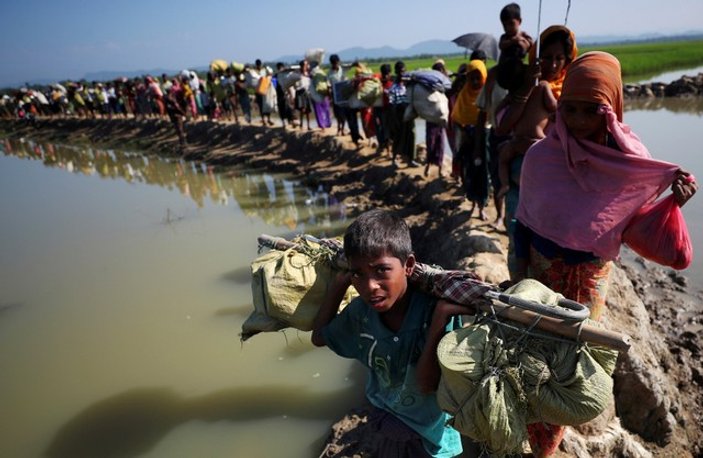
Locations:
column 431, row 79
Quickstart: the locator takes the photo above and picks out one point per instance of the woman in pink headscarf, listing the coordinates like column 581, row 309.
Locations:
column 580, row 187
column 583, row 183
column 154, row 91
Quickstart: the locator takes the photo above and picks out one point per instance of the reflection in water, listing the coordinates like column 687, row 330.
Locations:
column 242, row 311
column 688, row 105
column 133, row 422
column 6, row 307
column 241, row 275
column 666, row 77
column 136, row 328
column 275, row 199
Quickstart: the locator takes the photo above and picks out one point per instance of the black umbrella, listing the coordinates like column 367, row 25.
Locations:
column 479, row 41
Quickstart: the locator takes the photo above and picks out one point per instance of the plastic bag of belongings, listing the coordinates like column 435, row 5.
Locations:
column 497, row 379
column 269, row 99
column 252, row 78
column 426, row 96
column 289, row 285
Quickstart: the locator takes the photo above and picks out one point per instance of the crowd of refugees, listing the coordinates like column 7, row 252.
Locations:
column 544, row 139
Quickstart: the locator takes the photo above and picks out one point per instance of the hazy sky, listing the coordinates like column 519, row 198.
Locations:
column 65, row 39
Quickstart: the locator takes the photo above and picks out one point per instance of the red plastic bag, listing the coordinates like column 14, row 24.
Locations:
column 658, row 232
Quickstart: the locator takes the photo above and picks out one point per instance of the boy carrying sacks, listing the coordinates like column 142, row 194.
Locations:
column 393, row 330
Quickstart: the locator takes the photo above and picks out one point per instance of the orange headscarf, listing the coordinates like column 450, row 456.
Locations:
column 595, row 77
column 559, row 80
column 465, row 111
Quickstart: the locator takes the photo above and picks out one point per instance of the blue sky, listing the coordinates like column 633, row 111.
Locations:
column 42, row 39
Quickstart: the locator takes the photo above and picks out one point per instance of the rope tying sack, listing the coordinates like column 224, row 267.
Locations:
column 496, row 379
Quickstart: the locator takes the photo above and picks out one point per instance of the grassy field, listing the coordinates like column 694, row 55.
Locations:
column 637, row 59
column 651, row 58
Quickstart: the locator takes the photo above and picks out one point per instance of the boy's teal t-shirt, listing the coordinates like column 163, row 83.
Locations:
column 358, row 333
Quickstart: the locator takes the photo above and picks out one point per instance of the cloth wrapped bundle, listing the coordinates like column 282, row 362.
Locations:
column 320, row 86
column 237, row 67
column 432, row 106
column 289, row 286
column 315, row 55
column 252, row 78
column 288, row 79
column 431, row 79
column 496, row 380
column 218, row 65
column 367, row 93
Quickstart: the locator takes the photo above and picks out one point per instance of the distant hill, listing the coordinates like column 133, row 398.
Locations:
column 444, row 47
column 643, row 38
column 432, row 47
column 108, row 75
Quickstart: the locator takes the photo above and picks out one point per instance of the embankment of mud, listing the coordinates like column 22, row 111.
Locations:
column 686, row 86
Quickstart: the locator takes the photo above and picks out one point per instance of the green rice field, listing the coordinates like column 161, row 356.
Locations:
column 637, row 59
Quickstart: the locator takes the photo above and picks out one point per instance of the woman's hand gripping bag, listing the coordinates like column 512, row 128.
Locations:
column 658, row 232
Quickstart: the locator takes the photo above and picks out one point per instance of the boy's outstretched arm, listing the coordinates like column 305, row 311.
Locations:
column 428, row 371
column 330, row 306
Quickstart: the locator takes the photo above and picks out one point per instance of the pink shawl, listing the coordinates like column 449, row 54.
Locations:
column 580, row 194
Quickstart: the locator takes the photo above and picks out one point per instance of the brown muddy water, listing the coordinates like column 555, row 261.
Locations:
column 124, row 281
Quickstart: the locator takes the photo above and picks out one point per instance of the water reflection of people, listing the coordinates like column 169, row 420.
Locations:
column 274, row 199
column 690, row 105
column 174, row 108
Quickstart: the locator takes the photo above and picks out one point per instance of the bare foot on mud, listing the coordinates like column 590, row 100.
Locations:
column 498, row 225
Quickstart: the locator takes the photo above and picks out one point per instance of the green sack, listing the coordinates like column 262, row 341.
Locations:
column 496, row 380
column 480, row 390
column 369, row 91
column 320, row 82
column 288, row 288
column 237, row 67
